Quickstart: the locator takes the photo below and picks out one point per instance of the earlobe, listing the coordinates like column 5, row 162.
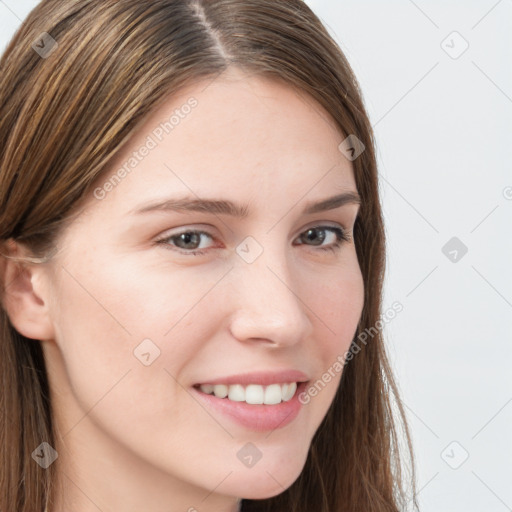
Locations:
column 23, row 296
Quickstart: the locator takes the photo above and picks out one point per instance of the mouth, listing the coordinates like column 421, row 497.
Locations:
column 254, row 394
column 254, row 407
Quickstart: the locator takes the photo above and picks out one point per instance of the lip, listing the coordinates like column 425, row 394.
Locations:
column 262, row 378
column 255, row 417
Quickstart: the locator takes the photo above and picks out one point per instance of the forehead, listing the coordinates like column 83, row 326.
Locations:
column 238, row 134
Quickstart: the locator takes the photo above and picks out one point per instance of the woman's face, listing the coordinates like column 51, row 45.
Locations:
column 140, row 319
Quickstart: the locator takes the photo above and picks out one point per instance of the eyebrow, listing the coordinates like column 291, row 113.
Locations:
column 225, row 207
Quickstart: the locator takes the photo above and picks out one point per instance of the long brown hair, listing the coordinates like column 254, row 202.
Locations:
column 65, row 114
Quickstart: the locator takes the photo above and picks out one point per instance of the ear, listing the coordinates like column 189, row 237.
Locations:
column 24, row 297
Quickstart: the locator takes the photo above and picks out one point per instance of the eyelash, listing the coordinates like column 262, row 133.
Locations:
column 342, row 236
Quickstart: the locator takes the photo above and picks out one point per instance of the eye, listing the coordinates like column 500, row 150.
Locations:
column 189, row 242
column 317, row 235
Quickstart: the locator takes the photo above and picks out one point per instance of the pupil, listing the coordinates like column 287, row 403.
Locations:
column 309, row 236
column 186, row 237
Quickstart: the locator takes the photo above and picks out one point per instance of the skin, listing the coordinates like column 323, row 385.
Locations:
column 131, row 437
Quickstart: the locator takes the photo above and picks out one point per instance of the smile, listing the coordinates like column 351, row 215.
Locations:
column 252, row 393
column 247, row 406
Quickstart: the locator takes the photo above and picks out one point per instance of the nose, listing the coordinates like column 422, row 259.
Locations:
column 268, row 303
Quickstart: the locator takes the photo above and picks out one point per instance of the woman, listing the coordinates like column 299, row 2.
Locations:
column 193, row 250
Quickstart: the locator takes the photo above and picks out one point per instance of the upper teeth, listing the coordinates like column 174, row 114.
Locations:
column 253, row 393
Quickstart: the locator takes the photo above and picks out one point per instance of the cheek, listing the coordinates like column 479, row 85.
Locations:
column 99, row 325
column 95, row 341
column 337, row 308
column 108, row 324
column 337, row 303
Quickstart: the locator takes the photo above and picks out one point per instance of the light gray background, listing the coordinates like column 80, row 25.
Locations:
column 443, row 123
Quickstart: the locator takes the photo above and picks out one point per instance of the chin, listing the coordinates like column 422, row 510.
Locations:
column 264, row 483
